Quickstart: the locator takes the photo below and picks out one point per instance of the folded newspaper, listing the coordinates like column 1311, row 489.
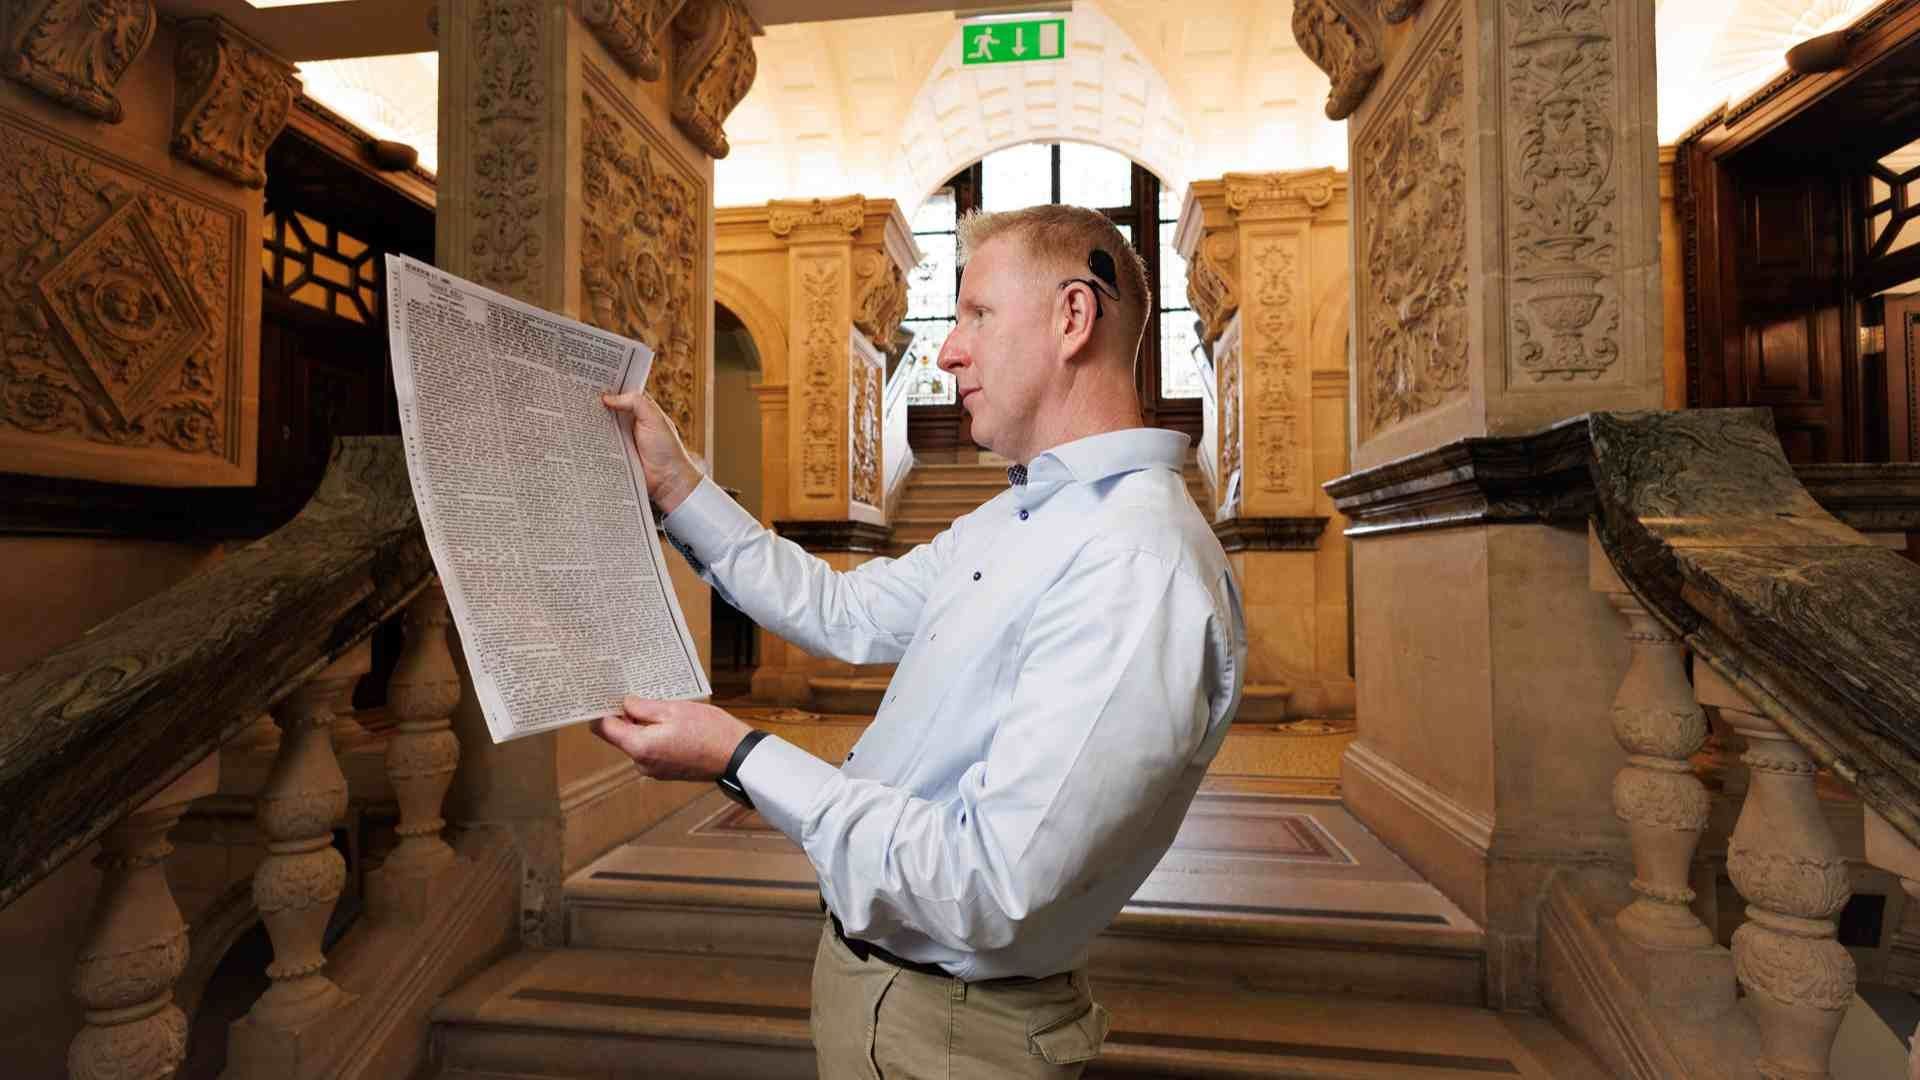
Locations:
column 533, row 503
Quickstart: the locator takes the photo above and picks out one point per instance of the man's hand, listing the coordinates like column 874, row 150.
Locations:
column 671, row 473
column 674, row 740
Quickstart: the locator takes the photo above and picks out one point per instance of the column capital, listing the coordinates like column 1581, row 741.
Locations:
column 1283, row 196
column 77, row 53
column 713, row 68
column 828, row 220
column 231, row 98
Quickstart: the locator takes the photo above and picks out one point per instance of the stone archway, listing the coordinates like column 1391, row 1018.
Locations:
column 1105, row 93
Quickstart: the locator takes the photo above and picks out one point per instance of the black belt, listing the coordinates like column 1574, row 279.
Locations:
column 864, row 949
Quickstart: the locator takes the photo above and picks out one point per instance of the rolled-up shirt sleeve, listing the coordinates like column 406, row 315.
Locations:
column 1108, row 710
column 862, row 616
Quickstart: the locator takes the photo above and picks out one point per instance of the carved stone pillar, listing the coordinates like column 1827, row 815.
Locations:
column 136, row 945
column 1504, row 177
column 576, row 173
column 1268, row 277
column 298, row 883
column 1786, row 863
column 422, row 754
column 820, row 284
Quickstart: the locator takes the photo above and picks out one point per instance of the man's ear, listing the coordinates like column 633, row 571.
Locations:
column 1076, row 313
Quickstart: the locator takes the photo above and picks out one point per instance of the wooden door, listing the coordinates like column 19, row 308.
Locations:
column 1903, row 377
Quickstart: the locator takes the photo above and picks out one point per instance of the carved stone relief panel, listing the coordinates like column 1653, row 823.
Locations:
column 824, row 218
column 630, row 29
column 1227, row 360
column 1210, row 277
column 864, row 387
column 1342, row 39
column 820, row 280
column 1410, row 202
column 714, row 69
column 120, row 306
column 879, row 296
column 642, row 257
column 230, row 100
column 75, row 51
column 1273, row 355
column 1562, row 190
column 504, row 126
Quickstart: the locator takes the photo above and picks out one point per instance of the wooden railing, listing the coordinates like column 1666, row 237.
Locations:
column 1805, row 636
column 113, row 736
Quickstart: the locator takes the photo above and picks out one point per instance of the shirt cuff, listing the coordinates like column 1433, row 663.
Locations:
column 707, row 519
column 784, row 781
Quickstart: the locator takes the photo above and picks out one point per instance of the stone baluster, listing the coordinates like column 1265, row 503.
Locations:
column 422, row 755
column 136, row 945
column 1787, row 865
column 1664, row 804
column 301, row 877
column 352, row 667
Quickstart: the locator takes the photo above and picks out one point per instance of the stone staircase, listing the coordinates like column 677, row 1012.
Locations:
column 1277, row 939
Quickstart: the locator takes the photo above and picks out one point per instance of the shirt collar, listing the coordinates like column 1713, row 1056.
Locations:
column 1097, row 457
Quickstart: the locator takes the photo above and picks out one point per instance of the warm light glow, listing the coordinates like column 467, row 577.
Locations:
column 288, row 3
column 389, row 97
column 1715, row 52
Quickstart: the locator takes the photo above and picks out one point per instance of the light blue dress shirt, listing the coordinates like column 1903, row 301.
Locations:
column 1070, row 656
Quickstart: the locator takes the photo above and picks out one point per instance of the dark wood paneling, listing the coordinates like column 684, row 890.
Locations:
column 1902, row 384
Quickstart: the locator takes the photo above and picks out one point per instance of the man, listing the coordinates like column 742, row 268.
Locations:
column 1070, row 655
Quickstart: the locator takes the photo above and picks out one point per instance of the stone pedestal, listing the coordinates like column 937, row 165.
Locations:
column 576, row 173
column 820, row 284
column 1268, row 277
column 1505, row 224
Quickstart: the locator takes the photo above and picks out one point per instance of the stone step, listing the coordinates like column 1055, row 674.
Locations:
column 1262, row 890
column 605, row 1013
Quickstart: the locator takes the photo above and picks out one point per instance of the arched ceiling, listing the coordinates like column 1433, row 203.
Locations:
column 878, row 105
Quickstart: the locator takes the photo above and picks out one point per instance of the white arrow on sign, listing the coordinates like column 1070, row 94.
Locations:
column 1019, row 41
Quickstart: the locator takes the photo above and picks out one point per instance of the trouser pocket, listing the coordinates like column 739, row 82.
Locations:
column 1070, row 1038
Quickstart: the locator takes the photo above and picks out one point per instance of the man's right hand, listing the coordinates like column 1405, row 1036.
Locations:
column 671, row 473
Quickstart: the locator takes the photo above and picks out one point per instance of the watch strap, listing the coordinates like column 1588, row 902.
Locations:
column 729, row 780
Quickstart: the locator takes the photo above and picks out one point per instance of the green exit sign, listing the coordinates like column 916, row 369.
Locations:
column 1013, row 42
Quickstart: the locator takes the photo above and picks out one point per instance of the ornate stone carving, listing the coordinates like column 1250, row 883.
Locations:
column 1562, row 188
column 136, row 947
column 1785, row 861
column 1227, row 360
column 842, row 216
column 230, row 100
column 630, row 29
column 642, row 246
column 1395, row 11
column 1272, row 408
column 1659, row 725
column 424, row 752
column 1411, row 203
column 1311, row 189
column 1210, row 277
column 714, row 69
column 820, row 278
column 117, row 303
column 1339, row 36
column 75, row 51
column 507, row 113
column 864, row 387
column 879, row 297
column 297, row 884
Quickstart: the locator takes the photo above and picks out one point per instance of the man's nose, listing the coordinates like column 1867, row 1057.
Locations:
column 952, row 354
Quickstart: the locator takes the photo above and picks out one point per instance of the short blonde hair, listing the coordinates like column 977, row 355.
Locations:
column 1061, row 239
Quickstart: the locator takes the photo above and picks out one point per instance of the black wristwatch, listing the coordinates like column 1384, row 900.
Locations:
column 729, row 781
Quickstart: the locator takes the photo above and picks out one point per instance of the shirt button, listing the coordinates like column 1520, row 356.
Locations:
column 1023, row 515
column 976, row 575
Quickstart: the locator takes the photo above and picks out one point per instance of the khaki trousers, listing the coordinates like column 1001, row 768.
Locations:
column 874, row 1021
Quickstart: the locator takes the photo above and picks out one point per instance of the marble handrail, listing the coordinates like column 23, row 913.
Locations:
column 1705, row 521
column 103, row 725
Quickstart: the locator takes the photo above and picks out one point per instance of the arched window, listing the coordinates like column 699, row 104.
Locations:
column 1061, row 172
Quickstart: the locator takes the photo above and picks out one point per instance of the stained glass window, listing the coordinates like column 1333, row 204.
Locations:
column 1180, row 370
column 931, row 289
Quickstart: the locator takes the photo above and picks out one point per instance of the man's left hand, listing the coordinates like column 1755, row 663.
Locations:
column 674, row 740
